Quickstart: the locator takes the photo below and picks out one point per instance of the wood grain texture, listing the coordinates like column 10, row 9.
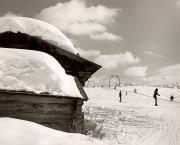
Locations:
column 61, row 113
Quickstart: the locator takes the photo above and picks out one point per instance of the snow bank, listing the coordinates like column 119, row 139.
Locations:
column 36, row 72
column 38, row 28
column 20, row 132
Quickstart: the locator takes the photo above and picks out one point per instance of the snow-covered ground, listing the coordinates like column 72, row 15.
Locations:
column 135, row 121
column 20, row 132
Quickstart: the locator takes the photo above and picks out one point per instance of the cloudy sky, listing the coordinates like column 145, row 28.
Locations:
column 126, row 37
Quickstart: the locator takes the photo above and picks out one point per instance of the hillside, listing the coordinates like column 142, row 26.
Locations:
column 135, row 120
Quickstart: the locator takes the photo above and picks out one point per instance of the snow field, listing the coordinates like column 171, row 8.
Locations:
column 135, row 120
column 165, row 93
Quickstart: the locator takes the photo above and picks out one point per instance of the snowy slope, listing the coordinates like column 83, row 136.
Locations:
column 165, row 93
column 38, row 28
column 20, row 132
column 34, row 71
column 135, row 121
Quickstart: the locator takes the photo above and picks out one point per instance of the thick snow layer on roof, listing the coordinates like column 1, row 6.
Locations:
column 20, row 132
column 36, row 72
column 37, row 28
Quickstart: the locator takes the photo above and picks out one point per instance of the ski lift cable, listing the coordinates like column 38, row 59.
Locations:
column 144, row 95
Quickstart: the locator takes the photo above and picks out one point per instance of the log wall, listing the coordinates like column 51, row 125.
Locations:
column 57, row 112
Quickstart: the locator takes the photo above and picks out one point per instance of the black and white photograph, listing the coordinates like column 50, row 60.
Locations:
column 89, row 72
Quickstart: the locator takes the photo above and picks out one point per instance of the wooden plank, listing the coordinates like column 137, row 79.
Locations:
column 40, row 116
column 51, row 121
column 32, row 98
column 39, row 108
column 81, row 90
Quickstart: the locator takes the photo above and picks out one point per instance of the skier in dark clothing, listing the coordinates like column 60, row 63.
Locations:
column 155, row 96
column 171, row 98
column 120, row 96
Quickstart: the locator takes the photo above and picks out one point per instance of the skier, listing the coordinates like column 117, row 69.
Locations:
column 155, row 96
column 135, row 91
column 171, row 98
column 120, row 96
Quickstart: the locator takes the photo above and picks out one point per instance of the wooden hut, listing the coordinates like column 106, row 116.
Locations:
column 58, row 112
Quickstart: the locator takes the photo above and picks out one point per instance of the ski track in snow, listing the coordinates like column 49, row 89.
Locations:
column 136, row 121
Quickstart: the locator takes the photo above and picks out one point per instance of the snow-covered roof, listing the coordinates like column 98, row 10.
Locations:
column 36, row 72
column 37, row 28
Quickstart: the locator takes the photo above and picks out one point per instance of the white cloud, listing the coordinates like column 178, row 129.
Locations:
column 169, row 70
column 113, row 60
column 10, row 14
column 77, row 18
column 109, row 61
column 166, row 76
column 150, row 53
column 105, row 36
column 89, row 54
column 136, row 71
